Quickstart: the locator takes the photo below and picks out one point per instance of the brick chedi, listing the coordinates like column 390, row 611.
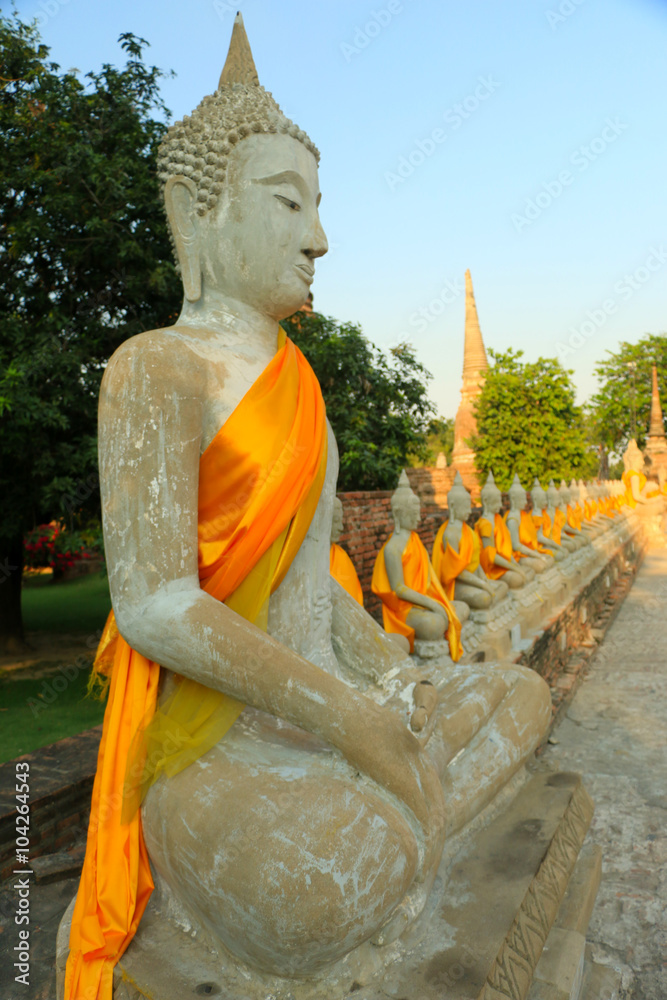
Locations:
column 656, row 442
column 475, row 366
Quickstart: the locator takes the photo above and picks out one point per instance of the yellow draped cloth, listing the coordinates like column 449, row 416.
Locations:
column 574, row 516
column 528, row 534
column 560, row 520
column 502, row 545
column 259, row 483
column 448, row 563
column 342, row 570
column 627, row 480
column 418, row 575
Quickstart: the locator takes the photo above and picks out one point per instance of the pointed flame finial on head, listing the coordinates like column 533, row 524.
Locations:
column 239, row 65
column 402, row 495
column 457, row 492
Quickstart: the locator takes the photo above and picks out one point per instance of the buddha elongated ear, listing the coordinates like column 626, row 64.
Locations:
column 180, row 197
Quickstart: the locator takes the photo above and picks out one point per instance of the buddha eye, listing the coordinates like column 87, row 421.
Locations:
column 290, row 204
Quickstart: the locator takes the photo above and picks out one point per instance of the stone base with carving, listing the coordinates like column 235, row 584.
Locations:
column 505, row 920
column 496, row 624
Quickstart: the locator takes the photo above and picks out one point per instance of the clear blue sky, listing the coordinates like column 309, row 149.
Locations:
column 561, row 103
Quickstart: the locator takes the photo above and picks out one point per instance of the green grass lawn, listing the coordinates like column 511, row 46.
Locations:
column 75, row 606
column 37, row 711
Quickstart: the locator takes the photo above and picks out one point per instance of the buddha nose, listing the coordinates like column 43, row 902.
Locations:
column 316, row 244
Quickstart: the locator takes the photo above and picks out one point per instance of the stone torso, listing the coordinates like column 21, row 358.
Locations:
column 226, row 372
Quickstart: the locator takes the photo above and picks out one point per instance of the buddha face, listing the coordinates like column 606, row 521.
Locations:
column 336, row 520
column 517, row 496
column 407, row 513
column 491, row 499
column 552, row 495
column 460, row 505
column 538, row 497
column 259, row 243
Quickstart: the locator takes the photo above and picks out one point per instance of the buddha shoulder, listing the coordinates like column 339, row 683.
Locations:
column 154, row 364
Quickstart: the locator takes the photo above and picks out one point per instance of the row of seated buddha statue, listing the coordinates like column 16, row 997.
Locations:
column 475, row 569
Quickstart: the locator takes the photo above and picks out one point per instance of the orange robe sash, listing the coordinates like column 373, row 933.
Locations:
column 573, row 517
column 342, row 570
column 259, row 484
column 418, row 575
column 627, row 479
column 560, row 520
column 502, row 545
column 448, row 563
column 528, row 534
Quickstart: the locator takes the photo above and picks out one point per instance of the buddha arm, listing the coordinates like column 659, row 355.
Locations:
column 517, row 545
column 474, row 579
column 488, row 541
column 394, row 566
column 150, row 434
column 360, row 644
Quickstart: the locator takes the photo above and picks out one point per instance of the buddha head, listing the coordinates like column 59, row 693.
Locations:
column 574, row 491
column 633, row 458
column 241, row 195
column 491, row 495
column 538, row 496
column 552, row 495
column 336, row 521
column 458, row 500
column 517, row 494
column 405, row 505
column 564, row 493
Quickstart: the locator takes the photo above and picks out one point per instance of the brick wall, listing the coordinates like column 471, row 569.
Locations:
column 61, row 783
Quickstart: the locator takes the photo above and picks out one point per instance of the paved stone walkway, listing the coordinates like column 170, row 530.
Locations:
column 615, row 735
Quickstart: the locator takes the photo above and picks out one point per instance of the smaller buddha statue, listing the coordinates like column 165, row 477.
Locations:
column 414, row 603
column 581, row 511
column 456, row 555
column 543, row 523
column 341, row 566
column 522, row 531
column 497, row 557
column 642, row 495
column 571, row 528
column 558, row 520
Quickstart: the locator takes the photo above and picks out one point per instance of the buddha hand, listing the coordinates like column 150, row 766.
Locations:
column 385, row 749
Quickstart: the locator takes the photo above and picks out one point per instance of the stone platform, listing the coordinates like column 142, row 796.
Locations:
column 506, row 920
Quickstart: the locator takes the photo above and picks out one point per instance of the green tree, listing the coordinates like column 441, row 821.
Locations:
column 528, row 423
column 86, row 263
column 439, row 438
column 378, row 407
column 625, row 390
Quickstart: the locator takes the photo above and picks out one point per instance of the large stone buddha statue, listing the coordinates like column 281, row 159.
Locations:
column 260, row 788
column 457, row 553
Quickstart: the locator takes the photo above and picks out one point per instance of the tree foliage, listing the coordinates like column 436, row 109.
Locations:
column 439, row 438
column 86, row 263
column 611, row 408
column 378, row 407
column 528, row 423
